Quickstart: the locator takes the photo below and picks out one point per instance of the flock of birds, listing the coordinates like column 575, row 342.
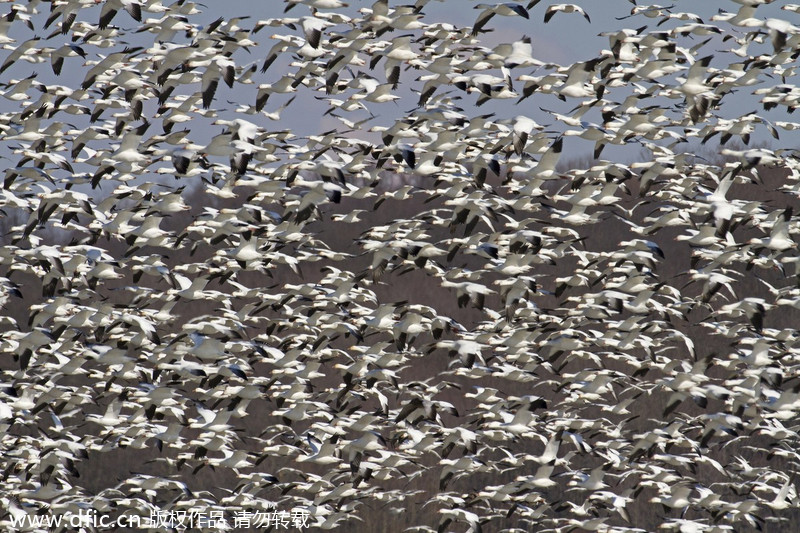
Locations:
column 427, row 316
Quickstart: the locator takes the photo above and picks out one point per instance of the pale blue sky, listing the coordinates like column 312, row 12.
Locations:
column 565, row 39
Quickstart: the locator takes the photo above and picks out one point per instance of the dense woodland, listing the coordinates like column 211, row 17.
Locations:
column 450, row 320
